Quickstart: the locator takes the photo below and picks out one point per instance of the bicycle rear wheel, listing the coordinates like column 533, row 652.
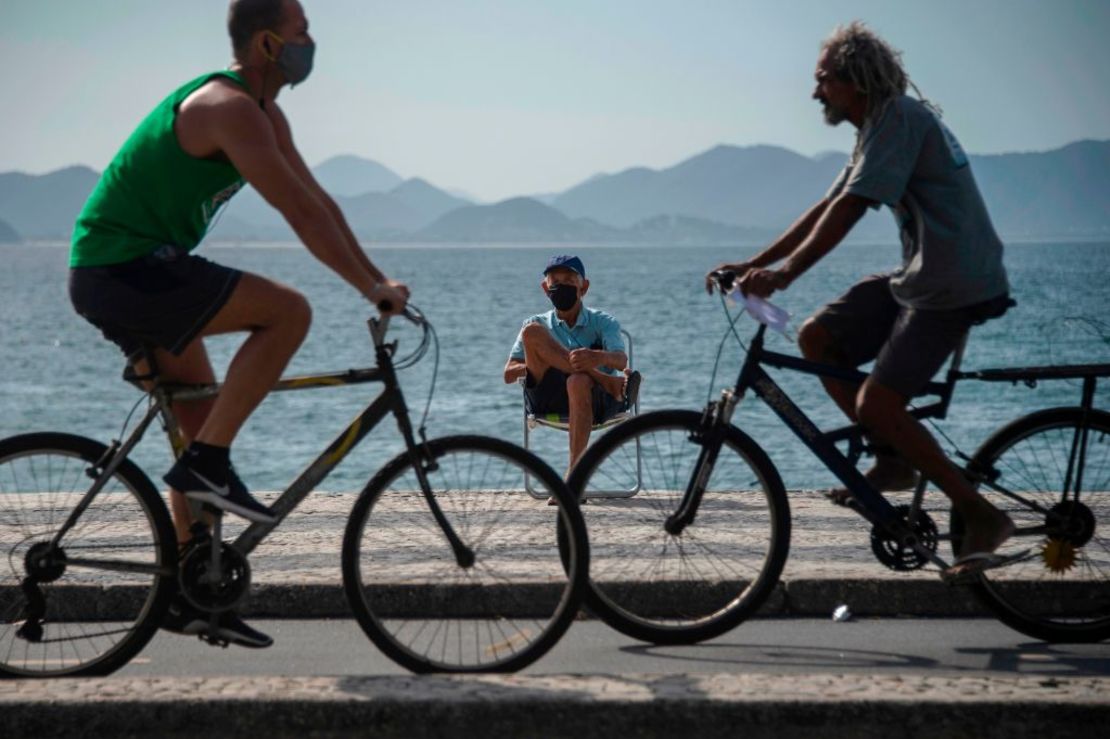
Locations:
column 685, row 588
column 105, row 591
column 1061, row 592
column 429, row 612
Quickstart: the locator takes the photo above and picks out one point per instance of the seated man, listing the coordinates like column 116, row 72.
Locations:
column 572, row 357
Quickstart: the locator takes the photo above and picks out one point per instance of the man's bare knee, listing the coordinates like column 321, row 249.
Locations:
column 814, row 340
column 876, row 403
column 534, row 332
column 298, row 313
column 579, row 386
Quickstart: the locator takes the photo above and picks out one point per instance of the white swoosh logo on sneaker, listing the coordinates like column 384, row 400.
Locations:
column 221, row 490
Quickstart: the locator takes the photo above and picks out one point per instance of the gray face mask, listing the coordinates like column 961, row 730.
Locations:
column 295, row 60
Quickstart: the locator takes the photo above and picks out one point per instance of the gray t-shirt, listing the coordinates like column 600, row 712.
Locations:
column 905, row 157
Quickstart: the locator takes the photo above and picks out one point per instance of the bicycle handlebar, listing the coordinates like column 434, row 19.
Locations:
column 725, row 278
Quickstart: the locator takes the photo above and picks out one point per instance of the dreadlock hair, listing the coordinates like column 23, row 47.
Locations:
column 247, row 17
column 861, row 57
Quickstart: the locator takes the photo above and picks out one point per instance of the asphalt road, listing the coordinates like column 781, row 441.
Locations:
column 965, row 647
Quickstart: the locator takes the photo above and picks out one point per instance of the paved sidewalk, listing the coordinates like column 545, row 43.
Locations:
column 296, row 571
column 749, row 706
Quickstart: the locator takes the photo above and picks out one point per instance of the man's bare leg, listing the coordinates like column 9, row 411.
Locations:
column 191, row 367
column 542, row 351
column 884, row 411
column 818, row 346
column 277, row 318
column 890, row 472
column 581, row 417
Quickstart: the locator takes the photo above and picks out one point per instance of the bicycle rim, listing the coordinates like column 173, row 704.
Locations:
column 94, row 618
column 674, row 589
column 431, row 614
column 1061, row 590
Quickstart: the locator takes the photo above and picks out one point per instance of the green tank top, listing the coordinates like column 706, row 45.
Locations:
column 153, row 193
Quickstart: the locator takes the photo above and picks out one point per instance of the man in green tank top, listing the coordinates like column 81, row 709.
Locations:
column 132, row 274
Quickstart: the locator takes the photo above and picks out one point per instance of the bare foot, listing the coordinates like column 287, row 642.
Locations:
column 986, row 529
column 890, row 472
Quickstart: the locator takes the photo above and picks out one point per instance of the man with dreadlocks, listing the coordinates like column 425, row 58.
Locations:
column 910, row 320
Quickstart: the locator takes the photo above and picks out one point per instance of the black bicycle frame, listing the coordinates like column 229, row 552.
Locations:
column 390, row 400
column 873, row 506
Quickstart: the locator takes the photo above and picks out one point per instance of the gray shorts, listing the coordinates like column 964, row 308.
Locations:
column 163, row 300
column 908, row 345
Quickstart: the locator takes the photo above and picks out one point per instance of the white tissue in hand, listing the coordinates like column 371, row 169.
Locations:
column 761, row 310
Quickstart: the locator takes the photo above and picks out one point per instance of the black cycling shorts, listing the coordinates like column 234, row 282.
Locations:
column 163, row 300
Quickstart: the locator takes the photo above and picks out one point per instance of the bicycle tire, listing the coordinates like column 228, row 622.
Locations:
column 427, row 612
column 95, row 620
column 1061, row 593
column 665, row 589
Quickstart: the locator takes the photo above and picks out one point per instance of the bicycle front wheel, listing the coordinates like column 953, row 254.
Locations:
column 1054, row 482
column 89, row 605
column 500, row 601
column 680, row 588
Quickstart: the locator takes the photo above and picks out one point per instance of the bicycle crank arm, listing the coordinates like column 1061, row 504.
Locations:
column 31, row 629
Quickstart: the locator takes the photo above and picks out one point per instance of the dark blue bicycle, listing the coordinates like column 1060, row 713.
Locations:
column 703, row 542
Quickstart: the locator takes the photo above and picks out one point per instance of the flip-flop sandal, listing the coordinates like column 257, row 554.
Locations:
column 839, row 496
column 978, row 563
column 632, row 390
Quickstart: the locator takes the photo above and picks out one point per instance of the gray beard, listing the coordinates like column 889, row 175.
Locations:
column 834, row 116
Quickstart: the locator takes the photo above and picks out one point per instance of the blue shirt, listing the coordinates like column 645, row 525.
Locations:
column 594, row 329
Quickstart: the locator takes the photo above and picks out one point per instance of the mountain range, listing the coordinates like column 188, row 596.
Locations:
column 728, row 194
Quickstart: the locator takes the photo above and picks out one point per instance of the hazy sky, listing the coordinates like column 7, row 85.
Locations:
column 509, row 97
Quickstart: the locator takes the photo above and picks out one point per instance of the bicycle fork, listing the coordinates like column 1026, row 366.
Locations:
column 710, row 435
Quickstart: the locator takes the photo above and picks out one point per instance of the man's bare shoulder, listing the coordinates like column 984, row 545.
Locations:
column 216, row 110
column 220, row 96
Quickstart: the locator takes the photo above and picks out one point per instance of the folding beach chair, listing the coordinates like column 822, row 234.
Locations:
column 556, row 421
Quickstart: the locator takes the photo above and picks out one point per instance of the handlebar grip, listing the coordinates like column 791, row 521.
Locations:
column 725, row 278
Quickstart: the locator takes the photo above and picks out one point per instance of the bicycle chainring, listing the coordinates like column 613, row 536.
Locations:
column 899, row 556
column 213, row 594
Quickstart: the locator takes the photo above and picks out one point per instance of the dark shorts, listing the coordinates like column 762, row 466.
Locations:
column 548, row 397
column 908, row 345
column 163, row 300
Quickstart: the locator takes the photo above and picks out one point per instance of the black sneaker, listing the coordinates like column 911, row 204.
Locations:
column 234, row 630
column 182, row 618
column 229, row 495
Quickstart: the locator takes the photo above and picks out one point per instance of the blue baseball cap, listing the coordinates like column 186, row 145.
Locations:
column 566, row 261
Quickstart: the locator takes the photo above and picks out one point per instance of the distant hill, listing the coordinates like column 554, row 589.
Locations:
column 1057, row 193
column 516, row 219
column 428, row 202
column 728, row 194
column 754, row 186
column 685, row 230
column 408, row 207
column 350, row 175
column 8, row 235
column 45, row 206
column 1060, row 193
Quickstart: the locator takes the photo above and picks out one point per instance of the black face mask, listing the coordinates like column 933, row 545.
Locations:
column 563, row 297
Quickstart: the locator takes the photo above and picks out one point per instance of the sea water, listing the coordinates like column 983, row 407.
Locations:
column 58, row 373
